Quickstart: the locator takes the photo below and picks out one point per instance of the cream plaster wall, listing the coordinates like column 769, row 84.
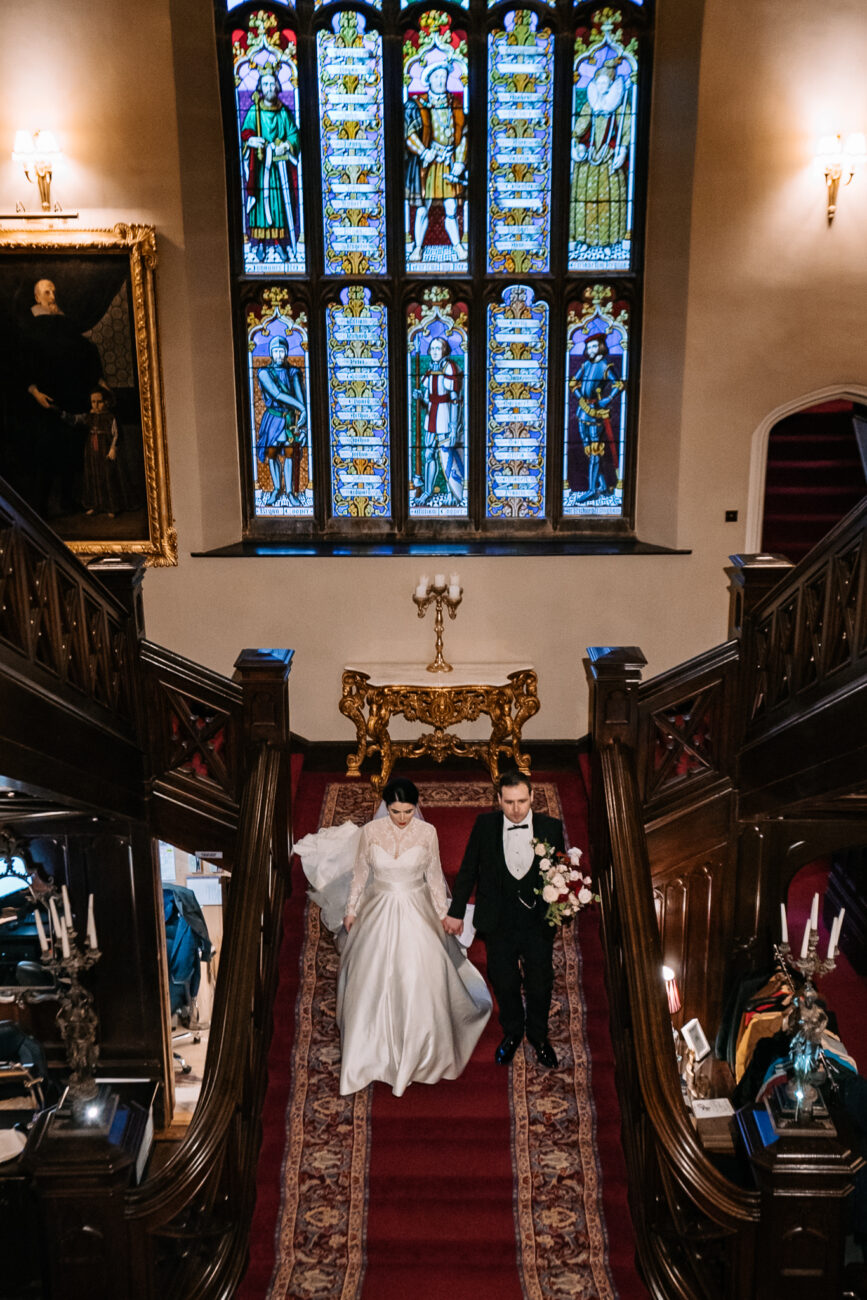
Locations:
column 751, row 302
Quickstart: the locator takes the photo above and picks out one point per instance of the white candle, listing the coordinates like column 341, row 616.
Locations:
column 423, row 581
column 67, row 910
column 91, row 924
column 814, row 913
column 454, row 580
column 835, row 934
column 55, row 919
column 440, row 580
column 805, row 945
column 421, row 590
column 454, row 591
column 40, row 930
column 64, row 939
column 784, row 925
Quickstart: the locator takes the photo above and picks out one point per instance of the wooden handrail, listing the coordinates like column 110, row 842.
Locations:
column 187, row 1188
column 726, row 1204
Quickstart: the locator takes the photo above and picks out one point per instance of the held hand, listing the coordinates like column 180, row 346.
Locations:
column 348, row 923
column 112, row 455
column 452, row 924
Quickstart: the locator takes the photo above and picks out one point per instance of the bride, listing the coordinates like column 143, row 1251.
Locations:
column 410, row 1005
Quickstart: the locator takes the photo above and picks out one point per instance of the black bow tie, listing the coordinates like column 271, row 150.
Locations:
column 524, row 826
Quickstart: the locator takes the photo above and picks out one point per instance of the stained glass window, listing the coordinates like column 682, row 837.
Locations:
column 602, row 146
column 278, row 381
column 436, row 144
column 353, row 147
column 517, row 405
column 357, row 334
column 436, row 346
column 594, row 448
column 266, row 97
column 457, row 357
column 520, row 92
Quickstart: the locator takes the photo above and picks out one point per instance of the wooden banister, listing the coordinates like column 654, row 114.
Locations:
column 190, row 1221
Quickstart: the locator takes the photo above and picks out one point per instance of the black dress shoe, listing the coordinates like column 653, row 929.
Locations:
column 545, row 1054
column 507, row 1049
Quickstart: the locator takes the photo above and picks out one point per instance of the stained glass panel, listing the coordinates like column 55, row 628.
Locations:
column 236, row 4
column 353, row 149
column 266, row 99
column 516, row 405
column 597, row 355
column 278, row 388
column 436, row 107
column 602, row 177
column 436, row 339
column 357, row 332
column 520, row 91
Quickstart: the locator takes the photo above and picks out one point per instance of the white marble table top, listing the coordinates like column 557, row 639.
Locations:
column 415, row 675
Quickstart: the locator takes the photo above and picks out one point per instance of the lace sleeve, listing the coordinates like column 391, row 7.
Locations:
column 436, row 881
column 360, row 873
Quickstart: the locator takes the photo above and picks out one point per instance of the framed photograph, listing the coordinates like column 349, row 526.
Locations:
column 693, row 1036
column 82, row 430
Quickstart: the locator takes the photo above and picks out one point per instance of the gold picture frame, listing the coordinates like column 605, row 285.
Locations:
column 78, row 315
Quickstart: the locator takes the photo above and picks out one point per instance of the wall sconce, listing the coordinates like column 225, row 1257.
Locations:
column 839, row 162
column 672, row 992
column 37, row 152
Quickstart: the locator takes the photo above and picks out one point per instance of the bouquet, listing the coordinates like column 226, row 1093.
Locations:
column 564, row 888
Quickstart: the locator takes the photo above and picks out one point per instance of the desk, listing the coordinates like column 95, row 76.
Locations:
column 374, row 693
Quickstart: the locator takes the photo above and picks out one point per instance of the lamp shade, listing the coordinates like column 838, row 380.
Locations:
column 23, row 149
column 45, row 145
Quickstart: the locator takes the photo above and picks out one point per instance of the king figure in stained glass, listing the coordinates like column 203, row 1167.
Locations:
column 436, row 139
column 437, row 343
column 266, row 82
column 596, row 362
column 602, row 154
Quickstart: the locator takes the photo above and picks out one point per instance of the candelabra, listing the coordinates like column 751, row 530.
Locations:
column 808, row 1075
column 76, row 1019
column 440, row 593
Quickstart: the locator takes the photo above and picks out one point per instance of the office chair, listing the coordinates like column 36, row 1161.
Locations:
column 188, row 946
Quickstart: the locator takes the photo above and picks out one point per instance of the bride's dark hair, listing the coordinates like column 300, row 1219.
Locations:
column 400, row 791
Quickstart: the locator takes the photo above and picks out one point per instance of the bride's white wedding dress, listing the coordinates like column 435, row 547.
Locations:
column 410, row 1005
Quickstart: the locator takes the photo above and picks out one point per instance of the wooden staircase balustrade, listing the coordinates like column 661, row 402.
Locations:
column 67, row 672
column 188, row 1226
column 695, row 1231
column 716, row 781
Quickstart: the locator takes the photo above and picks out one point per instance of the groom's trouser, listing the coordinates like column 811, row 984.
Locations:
column 528, row 943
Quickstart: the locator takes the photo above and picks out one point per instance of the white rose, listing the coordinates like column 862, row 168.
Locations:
column 545, row 864
column 575, row 875
column 575, row 856
column 550, row 894
column 584, row 897
column 558, row 880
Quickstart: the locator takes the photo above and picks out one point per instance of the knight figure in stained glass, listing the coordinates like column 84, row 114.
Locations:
column 266, row 83
column 596, row 372
column 605, row 86
column 278, row 384
column 436, row 140
column 436, row 354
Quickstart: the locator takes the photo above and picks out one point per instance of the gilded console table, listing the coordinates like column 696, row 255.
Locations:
column 375, row 693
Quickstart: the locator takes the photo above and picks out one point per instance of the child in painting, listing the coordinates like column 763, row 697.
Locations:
column 102, row 490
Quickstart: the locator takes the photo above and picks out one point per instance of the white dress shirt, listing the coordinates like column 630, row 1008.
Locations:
column 518, row 846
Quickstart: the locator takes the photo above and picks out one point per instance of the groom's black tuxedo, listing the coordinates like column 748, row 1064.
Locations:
column 510, row 917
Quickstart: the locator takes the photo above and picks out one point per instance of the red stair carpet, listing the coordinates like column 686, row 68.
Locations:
column 442, row 1213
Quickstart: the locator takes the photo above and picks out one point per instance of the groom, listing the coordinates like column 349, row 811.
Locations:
column 501, row 866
